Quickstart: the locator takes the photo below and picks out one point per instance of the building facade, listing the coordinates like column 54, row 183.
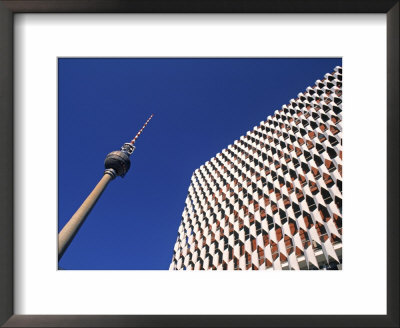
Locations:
column 272, row 199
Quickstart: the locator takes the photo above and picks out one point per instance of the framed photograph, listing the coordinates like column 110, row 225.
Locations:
column 240, row 141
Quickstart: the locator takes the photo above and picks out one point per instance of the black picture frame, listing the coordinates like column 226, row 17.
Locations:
column 10, row 7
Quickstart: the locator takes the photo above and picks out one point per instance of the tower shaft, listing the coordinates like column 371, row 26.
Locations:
column 72, row 227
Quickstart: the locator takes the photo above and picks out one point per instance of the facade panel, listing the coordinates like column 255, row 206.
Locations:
column 272, row 199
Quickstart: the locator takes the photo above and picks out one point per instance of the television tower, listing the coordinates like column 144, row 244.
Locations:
column 117, row 163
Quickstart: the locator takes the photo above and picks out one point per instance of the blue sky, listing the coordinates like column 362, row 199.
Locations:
column 200, row 106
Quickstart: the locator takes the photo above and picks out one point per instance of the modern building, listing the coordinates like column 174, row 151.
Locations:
column 272, row 199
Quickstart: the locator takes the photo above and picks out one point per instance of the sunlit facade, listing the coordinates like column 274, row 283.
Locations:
column 272, row 199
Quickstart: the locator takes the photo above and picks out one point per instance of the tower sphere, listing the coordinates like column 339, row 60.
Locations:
column 118, row 161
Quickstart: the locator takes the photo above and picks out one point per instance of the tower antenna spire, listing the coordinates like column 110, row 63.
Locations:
column 141, row 130
column 129, row 147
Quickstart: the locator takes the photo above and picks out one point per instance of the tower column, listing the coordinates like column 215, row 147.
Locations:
column 72, row 227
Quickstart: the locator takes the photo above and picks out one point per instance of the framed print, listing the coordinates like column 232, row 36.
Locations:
column 68, row 69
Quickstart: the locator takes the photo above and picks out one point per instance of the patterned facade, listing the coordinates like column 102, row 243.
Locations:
column 272, row 199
